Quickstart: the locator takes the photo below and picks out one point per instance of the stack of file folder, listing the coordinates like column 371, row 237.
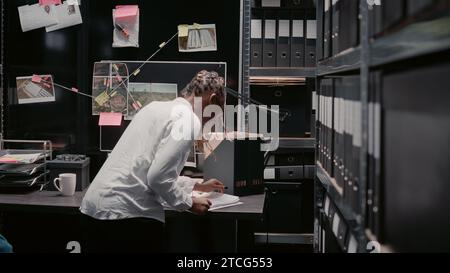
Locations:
column 24, row 172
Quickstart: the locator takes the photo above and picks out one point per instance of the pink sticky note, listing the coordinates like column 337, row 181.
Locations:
column 126, row 11
column 110, row 119
column 119, row 78
column 49, row 2
column 8, row 160
column 74, row 90
column 36, row 79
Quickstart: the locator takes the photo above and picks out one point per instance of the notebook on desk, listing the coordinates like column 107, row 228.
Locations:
column 219, row 200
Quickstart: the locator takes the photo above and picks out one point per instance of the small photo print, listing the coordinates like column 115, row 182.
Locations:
column 142, row 94
column 35, row 92
column 197, row 38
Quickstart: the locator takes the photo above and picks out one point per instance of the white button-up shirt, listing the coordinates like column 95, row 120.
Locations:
column 143, row 170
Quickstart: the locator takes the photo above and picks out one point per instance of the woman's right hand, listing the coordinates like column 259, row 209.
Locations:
column 200, row 205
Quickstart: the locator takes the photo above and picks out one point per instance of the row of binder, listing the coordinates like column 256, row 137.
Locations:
column 283, row 3
column 335, row 223
column 340, row 138
column 340, row 26
column 283, row 39
column 374, row 193
column 390, row 14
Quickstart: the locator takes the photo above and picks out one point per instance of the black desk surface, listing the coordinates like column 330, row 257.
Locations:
column 53, row 202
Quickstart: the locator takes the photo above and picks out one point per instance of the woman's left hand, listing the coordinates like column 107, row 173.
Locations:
column 210, row 186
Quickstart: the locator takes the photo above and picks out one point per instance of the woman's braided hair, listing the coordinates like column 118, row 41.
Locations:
column 203, row 82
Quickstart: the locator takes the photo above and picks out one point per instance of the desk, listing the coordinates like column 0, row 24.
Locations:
column 52, row 203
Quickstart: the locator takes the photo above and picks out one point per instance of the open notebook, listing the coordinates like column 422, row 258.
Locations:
column 219, row 200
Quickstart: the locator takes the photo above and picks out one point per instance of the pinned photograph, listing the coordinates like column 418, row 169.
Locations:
column 30, row 90
column 197, row 38
column 142, row 94
column 37, row 16
column 110, row 88
column 67, row 15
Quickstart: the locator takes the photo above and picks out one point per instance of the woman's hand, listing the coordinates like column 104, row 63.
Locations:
column 210, row 186
column 200, row 205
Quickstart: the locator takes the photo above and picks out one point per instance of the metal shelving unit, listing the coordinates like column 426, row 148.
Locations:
column 2, row 59
column 411, row 42
column 349, row 60
column 297, row 143
column 282, row 72
column 276, row 76
column 415, row 40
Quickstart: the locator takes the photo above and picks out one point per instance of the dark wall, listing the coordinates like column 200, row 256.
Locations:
column 69, row 55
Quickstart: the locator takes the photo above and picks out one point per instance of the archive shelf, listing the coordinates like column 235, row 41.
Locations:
column 415, row 40
column 348, row 60
column 283, row 72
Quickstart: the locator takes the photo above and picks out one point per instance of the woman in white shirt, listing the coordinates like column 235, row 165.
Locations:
column 123, row 207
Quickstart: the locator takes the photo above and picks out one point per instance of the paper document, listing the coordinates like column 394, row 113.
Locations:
column 67, row 16
column 21, row 158
column 37, row 16
column 218, row 200
column 32, row 89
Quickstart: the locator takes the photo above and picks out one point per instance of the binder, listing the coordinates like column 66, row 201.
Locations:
column 295, row 3
column 335, row 9
column 393, row 12
column 320, row 25
column 348, row 182
column 271, row 3
column 256, row 43
column 342, row 234
column 357, row 142
column 288, row 98
column 311, row 37
column 269, row 45
column 416, row 6
column 376, row 19
column 297, row 41
column 284, row 41
column 338, row 143
column 326, row 125
column 330, row 136
column 327, row 29
column 377, row 182
column 348, row 24
column 353, row 26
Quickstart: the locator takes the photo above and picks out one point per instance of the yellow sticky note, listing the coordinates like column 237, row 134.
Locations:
column 102, row 98
column 183, row 30
column 197, row 26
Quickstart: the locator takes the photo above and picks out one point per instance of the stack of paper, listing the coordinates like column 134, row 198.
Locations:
column 219, row 200
column 21, row 158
